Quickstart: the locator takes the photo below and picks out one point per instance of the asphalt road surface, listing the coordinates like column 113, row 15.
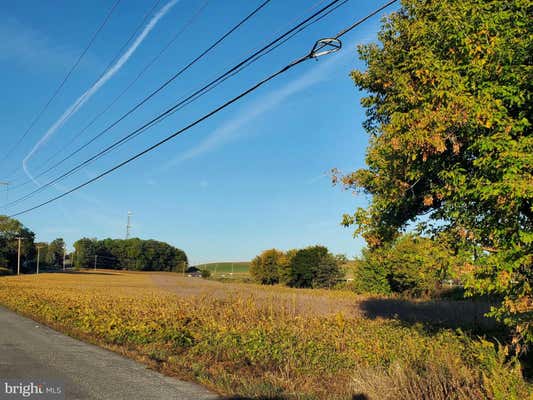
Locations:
column 29, row 350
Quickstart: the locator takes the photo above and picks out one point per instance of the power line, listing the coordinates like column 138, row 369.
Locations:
column 232, row 71
column 106, row 69
column 123, row 92
column 206, row 116
column 115, row 58
column 152, row 94
column 317, row 51
column 360, row 21
column 65, row 79
column 187, row 101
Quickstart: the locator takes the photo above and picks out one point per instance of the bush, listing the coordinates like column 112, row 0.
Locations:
column 265, row 268
column 371, row 274
column 205, row 273
column 327, row 273
column 313, row 266
column 4, row 271
column 310, row 267
column 411, row 265
column 303, row 264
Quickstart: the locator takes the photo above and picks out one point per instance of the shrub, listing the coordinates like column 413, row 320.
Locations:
column 302, row 266
column 4, row 271
column 265, row 268
column 313, row 266
column 327, row 273
column 285, row 273
column 412, row 265
column 310, row 267
column 371, row 274
column 205, row 273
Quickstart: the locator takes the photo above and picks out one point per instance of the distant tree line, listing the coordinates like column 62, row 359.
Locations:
column 412, row 265
column 132, row 254
column 311, row 267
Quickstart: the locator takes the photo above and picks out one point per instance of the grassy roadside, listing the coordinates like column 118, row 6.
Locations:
column 243, row 345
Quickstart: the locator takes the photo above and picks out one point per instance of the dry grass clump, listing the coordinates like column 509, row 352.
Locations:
column 249, row 345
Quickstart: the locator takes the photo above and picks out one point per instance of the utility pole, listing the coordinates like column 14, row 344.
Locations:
column 38, row 257
column 64, row 256
column 95, row 259
column 20, row 239
column 128, row 225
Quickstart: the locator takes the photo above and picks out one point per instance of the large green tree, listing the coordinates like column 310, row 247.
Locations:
column 85, row 251
column 312, row 266
column 55, row 252
column 266, row 267
column 10, row 229
column 449, row 106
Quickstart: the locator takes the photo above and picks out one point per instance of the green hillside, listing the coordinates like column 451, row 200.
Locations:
column 226, row 267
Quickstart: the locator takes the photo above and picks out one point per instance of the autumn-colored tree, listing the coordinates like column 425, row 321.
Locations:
column 449, row 108
column 265, row 268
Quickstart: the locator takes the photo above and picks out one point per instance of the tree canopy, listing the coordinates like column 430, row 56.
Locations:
column 134, row 254
column 410, row 264
column 54, row 252
column 313, row 266
column 10, row 229
column 449, row 104
column 265, row 268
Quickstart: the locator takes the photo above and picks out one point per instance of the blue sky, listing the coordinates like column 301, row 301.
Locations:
column 253, row 177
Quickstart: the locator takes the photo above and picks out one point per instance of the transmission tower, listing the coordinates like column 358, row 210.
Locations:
column 128, row 225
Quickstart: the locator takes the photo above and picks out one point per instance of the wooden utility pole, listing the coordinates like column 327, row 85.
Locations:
column 20, row 239
column 38, row 257
column 64, row 256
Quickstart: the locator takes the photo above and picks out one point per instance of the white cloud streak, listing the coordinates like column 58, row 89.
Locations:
column 70, row 111
column 231, row 130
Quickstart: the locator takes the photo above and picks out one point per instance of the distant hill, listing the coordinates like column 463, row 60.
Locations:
column 226, row 267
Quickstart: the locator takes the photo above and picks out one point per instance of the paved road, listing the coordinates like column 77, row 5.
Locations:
column 30, row 350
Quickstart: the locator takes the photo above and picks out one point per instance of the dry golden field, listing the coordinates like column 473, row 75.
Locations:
column 273, row 342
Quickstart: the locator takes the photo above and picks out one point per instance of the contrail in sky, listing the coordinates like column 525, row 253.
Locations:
column 69, row 112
